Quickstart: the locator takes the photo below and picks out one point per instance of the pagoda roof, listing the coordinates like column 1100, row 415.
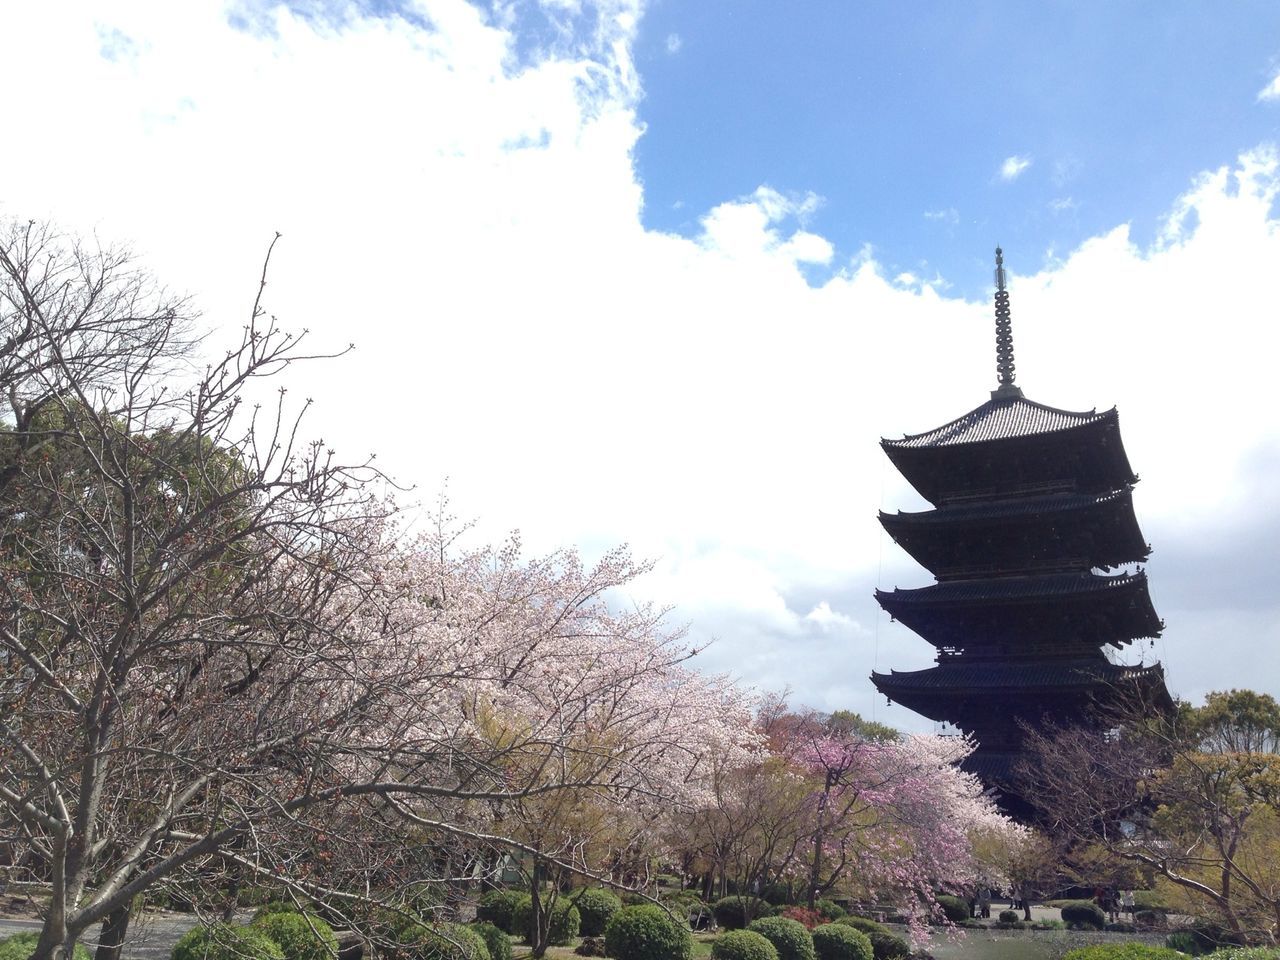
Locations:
column 1001, row 419
column 991, row 675
column 1013, row 589
column 1009, row 508
column 1060, row 608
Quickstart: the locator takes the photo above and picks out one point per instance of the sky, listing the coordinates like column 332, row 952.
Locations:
column 663, row 273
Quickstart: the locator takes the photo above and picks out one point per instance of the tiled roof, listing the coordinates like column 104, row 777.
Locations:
column 1012, row 507
column 989, row 675
column 1013, row 588
column 998, row 420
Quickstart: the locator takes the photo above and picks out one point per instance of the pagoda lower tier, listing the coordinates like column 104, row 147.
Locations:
column 996, row 702
column 1054, row 532
column 1057, row 614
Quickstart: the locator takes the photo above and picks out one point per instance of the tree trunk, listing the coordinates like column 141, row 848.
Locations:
column 114, row 928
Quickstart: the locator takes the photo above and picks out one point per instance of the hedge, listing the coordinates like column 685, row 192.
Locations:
column 953, row 908
column 1083, row 913
column 646, row 932
column 223, row 941
column 835, row 941
column 742, row 945
column 498, row 907
column 300, row 937
column 497, row 941
column 595, row 907
column 1123, row 951
column 442, row 941
column 736, row 912
column 789, row 937
column 564, row 925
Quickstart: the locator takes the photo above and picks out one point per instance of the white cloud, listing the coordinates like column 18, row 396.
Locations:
column 1063, row 204
column 1013, row 167
column 949, row 215
column 1271, row 92
column 472, row 220
column 674, row 43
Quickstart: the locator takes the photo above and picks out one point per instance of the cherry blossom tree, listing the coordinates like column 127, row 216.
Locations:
column 221, row 660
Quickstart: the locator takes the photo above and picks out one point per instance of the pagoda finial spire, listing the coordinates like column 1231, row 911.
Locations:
column 1004, row 336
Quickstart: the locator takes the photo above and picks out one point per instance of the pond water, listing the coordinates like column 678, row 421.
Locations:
column 1022, row 944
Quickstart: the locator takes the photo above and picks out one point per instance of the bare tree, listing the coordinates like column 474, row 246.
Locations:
column 1145, row 794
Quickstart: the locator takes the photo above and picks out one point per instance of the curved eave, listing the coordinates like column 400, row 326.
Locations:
column 955, row 613
column 936, row 691
column 1099, row 530
column 934, row 470
column 999, row 419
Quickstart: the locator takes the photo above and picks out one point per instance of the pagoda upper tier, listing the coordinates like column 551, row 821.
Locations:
column 1012, row 446
column 1050, row 532
column 1051, row 615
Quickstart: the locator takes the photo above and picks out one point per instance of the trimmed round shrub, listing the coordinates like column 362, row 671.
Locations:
column 1120, row 926
column 835, row 941
column 565, row 921
column 889, row 946
column 442, row 941
column 274, row 906
column 646, row 932
column 953, row 908
column 595, row 907
column 1083, row 913
column 885, row 944
column 789, row 937
column 1009, row 916
column 742, row 945
column 829, row 910
column 299, row 937
column 498, row 907
column 1122, row 951
column 778, row 894
column 224, row 941
column 865, row 924
column 1248, row 953
column 736, row 912
column 497, row 942
column 22, row 945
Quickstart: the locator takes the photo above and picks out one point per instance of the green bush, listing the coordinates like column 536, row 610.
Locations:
column 789, row 937
column 496, row 940
column 442, row 941
column 779, row 894
column 1083, row 913
column 835, row 941
column 300, row 937
column 829, row 910
column 865, row 924
column 498, row 907
column 1009, row 916
column 1248, row 953
column 565, row 921
column 1122, row 951
column 1120, row 926
column 268, row 907
column 953, row 908
column 885, row 944
column 646, row 932
column 22, row 945
column 742, row 945
column 736, row 912
column 595, row 907
column 223, row 941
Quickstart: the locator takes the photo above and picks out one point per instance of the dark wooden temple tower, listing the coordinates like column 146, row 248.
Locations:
column 1033, row 510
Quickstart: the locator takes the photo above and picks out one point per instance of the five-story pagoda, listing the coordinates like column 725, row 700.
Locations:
column 1033, row 509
